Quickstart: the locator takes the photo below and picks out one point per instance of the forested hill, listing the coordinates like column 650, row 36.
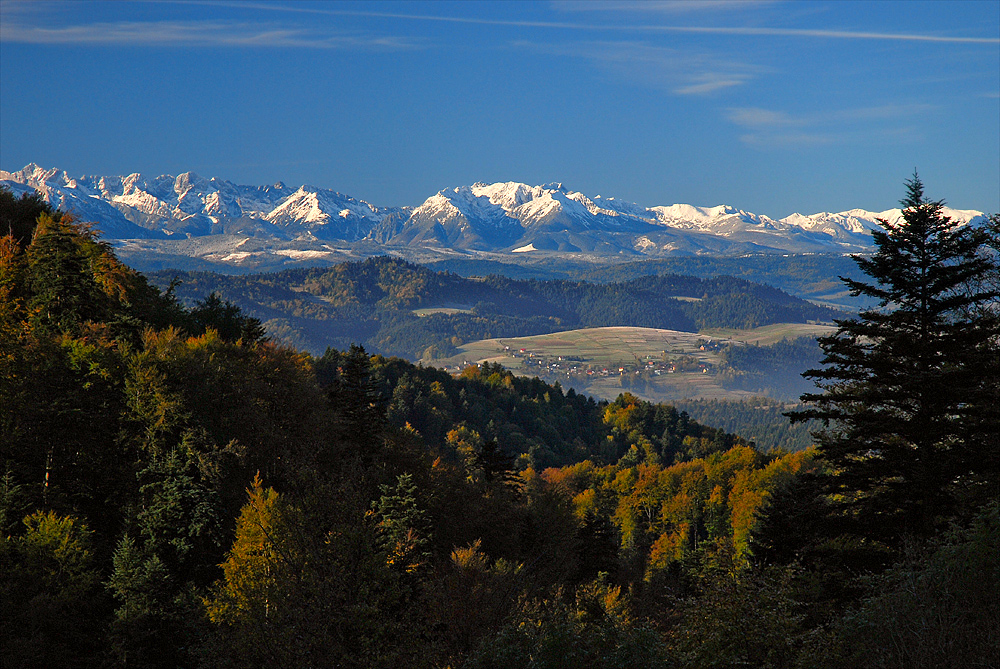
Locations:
column 178, row 491
column 810, row 276
column 397, row 308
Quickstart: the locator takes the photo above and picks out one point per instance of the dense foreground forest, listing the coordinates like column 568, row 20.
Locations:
column 178, row 491
column 377, row 303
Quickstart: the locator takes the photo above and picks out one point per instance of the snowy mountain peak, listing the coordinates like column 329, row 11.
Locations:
column 503, row 216
column 188, row 180
column 189, row 205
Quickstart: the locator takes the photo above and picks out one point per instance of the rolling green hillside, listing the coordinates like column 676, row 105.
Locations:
column 659, row 365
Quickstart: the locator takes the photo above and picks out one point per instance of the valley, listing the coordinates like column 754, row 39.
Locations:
column 393, row 307
column 641, row 335
column 653, row 364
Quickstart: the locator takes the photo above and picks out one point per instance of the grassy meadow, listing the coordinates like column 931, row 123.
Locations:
column 653, row 364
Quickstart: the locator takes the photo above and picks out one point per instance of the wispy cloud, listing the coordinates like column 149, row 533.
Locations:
column 882, row 112
column 832, row 34
column 785, row 140
column 639, row 27
column 659, row 6
column 196, row 34
column 681, row 72
column 709, row 83
column 247, row 34
column 754, row 117
column 769, row 129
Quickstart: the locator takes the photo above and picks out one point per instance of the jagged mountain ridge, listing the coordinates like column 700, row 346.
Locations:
column 505, row 217
column 191, row 206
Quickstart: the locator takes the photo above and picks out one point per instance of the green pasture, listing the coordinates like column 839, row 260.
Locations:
column 604, row 348
column 427, row 311
column 770, row 334
column 612, row 348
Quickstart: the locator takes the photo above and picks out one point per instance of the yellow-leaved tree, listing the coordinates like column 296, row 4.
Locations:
column 260, row 555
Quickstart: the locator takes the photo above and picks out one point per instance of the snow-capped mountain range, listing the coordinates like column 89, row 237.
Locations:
column 192, row 214
column 134, row 207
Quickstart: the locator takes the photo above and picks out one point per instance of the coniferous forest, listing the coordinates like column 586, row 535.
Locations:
column 179, row 491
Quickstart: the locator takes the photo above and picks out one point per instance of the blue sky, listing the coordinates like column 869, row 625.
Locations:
column 774, row 107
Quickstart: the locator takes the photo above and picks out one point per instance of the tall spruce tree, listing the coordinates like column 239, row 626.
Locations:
column 61, row 276
column 911, row 388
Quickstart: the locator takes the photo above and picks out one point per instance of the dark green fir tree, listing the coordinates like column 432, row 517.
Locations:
column 909, row 391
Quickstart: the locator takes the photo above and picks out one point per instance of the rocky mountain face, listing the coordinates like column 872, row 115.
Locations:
column 190, row 206
column 224, row 222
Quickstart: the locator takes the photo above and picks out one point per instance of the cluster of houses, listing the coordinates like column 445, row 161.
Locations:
column 572, row 367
